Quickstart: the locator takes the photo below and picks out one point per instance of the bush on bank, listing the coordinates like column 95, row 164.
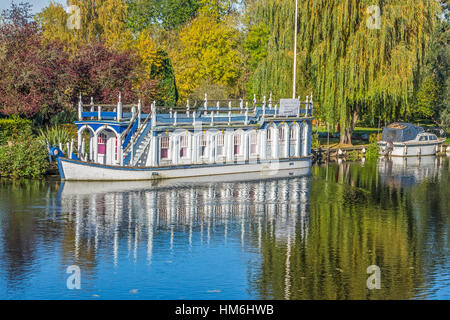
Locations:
column 11, row 128
column 372, row 149
column 25, row 157
column 21, row 154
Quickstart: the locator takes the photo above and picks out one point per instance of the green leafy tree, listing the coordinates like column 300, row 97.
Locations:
column 206, row 50
column 426, row 98
column 169, row 14
column 255, row 45
column 354, row 66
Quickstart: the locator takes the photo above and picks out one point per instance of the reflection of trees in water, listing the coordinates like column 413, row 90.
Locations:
column 316, row 236
column 356, row 221
column 19, row 228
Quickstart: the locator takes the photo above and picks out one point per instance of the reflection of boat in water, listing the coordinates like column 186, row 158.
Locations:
column 407, row 140
column 406, row 172
column 181, row 212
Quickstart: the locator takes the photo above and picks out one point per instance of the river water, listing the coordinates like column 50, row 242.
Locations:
column 281, row 237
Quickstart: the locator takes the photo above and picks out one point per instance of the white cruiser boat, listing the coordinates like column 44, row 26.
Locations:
column 408, row 140
column 225, row 138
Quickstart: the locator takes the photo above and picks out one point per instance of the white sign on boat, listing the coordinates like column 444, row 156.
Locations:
column 289, row 107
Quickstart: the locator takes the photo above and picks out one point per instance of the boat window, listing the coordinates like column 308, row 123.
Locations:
column 203, row 143
column 101, row 143
column 293, row 135
column 281, row 133
column 237, row 144
column 183, row 146
column 423, row 138
column 432, row 138
column 220, row 144
column 253, row 143
column 164, row 147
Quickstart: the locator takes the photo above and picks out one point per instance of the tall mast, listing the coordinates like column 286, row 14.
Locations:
column 295, row 48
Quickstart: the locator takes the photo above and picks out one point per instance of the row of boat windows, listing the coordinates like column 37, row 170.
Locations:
column 426, row 138
column 220, row 143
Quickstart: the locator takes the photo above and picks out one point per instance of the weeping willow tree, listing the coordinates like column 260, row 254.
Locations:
column 361, row 57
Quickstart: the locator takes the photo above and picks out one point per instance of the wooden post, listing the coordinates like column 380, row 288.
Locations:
column 246, row 146
column 92, row 107
column 119, row 108
column 229, row 146
column 306, row 106
column 155, row 146
column 71, row 148
column 287, row 141
column 95, row 146
column 212, row 147
column 298, row 139
column 276, row 144
column 263, row 144
column 82, row 149
column 307, row 139
column 132, row 154
column 79, row 136
column 139, row 112
column 119, row 149
column 80, row 109
column 153, row 114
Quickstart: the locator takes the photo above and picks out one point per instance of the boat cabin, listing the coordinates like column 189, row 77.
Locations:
column 400, row 132
column 210, row 132
column 426, row 137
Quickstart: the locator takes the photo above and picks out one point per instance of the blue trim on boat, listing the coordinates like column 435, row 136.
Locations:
column 60, row 168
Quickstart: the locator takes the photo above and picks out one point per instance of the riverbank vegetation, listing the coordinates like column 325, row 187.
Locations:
column 368, row 63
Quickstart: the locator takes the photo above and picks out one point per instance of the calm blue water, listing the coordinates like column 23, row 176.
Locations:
column 301, row 237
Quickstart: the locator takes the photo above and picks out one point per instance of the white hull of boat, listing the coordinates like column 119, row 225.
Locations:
column 93, row 187
column 75, row 170
column 412, row 149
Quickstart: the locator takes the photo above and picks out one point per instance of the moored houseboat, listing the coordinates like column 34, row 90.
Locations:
column 407, row 140
column 216, row 138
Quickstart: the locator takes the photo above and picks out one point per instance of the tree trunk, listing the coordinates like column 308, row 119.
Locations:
column 347, row 131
